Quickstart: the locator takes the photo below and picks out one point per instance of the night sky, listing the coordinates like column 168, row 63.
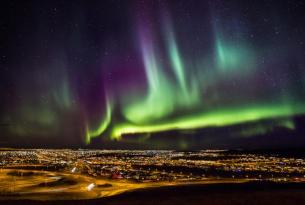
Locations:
column 178, row 74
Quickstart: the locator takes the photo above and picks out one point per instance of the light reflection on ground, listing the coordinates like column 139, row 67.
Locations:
column 48, row 185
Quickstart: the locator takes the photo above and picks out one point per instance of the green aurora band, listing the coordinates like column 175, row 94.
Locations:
column 102, row 127
column 155, row 112
column 153, row 74
column 217, row 118
column 164, row 95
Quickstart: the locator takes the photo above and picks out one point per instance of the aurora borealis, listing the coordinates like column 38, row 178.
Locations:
column 80, row 73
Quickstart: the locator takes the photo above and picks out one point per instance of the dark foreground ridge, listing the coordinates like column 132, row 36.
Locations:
column 246, row 193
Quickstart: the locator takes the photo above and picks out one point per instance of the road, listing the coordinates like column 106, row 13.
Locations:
column 49, row 185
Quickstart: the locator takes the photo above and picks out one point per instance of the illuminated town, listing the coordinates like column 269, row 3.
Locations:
column 97, row 173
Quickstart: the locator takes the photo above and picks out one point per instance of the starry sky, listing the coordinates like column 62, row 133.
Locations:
column 179, row 74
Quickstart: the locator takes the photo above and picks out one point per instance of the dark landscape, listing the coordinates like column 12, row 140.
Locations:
column 249, row 193
column 66, row 176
